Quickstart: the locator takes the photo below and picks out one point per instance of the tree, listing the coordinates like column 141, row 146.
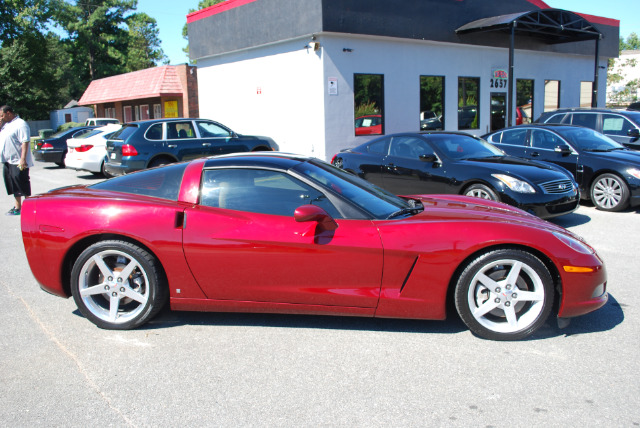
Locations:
column 201, row 5
column 143, row 49
column 18, row 16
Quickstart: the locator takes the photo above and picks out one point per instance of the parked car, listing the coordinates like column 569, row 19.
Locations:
column 622, row 126
column 607, row 172
column 370, row 124
column 458, row 163
column 54, row 148
column 88, row 151
column 101, row 121
column 429, row 121
column 269, row 232
column 149, row 143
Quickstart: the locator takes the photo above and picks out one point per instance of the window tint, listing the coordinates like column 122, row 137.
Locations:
column 379, row 146
column 558, row 118
column 160, row 182
column 368, row 104
column 468, row 96
column 515, row 137
column 155, row 132
column 180, row 130
column 612, row 124
column 588, row 120
column 524, row 101
column 551, row 95
column 259, row 191
column 431, row 102
column 81, row 133
column 409, row 147
column 125, row 132
column 210, row 130
column 542, row 139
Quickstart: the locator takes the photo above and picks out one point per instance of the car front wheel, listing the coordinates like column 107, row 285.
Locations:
column 610, row 193
column 504, row 294
column 481, row 191
column 117, row 285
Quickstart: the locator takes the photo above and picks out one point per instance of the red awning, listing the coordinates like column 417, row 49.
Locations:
column 150, row 83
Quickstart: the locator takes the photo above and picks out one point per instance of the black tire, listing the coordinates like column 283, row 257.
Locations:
column 504, row 294
column 113, row 302
column 482, row 191
column 609, row 192
column 338, row 163
column 160, row 162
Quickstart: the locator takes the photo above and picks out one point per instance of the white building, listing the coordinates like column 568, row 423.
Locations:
column 302, row 71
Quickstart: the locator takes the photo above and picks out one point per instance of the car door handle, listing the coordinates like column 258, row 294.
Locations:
column 535, row 154
column 206, row 144
column 172, row 146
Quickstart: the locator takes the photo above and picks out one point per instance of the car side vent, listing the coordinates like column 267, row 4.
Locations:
column 558, row 186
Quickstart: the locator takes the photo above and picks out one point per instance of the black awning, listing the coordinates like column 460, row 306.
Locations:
column 550, row 25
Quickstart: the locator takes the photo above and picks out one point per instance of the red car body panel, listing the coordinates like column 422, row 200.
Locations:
column 222, row 260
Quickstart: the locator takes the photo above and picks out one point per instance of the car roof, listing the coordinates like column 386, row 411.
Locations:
column 585, row 109
column 277, row 160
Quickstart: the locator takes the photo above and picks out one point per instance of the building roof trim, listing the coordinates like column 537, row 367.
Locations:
column 550, row 25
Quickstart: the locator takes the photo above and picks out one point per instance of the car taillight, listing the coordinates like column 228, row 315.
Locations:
column 84, row 148
column 129, row 150
column 46, row 146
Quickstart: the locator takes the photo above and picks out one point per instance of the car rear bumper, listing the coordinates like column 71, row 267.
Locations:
column 56, row 156
column 116, row 169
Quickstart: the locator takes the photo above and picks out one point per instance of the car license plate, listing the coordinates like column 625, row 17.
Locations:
column 113, row 155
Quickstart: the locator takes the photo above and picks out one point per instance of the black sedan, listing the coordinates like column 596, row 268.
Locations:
column 54, row 148
column 606, row 171
column 458, row 163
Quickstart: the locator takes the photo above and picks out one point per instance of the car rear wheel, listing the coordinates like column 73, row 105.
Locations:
column 160, row 162
column 481, row 191
column 504, row 294
column 117, row 285
column 610, row 193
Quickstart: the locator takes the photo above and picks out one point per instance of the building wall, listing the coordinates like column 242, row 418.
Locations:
column 276, row 91
column 282, row 90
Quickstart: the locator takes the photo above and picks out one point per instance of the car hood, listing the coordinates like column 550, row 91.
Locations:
column 528, row 170
column 466, row 208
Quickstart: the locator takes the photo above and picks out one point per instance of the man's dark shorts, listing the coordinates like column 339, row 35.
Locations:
column 17, row 182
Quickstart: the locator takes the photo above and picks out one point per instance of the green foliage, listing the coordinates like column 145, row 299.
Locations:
column 68, row 125
column 366, row 109
column 368, row 94
column 201, row 5
column 631, row 44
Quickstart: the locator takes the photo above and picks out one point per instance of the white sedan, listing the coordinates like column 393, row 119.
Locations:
column 87, row 152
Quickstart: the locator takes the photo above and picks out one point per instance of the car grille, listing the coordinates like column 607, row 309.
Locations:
column 558, row 186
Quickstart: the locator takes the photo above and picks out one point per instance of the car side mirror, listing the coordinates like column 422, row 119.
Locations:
column 634, row 133
column 313, row 213
column 429, row 158
column 563, row 150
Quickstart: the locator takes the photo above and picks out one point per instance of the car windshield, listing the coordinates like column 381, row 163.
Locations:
column 588, row 139
column 89, row 134
column 458, row 146
column 370, row 198
column 124, row 132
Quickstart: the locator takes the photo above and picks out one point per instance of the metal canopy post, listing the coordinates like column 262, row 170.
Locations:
column 596, row 75
column 511, row 75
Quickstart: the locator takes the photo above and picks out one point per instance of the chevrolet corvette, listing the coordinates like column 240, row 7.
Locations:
column 282, row 233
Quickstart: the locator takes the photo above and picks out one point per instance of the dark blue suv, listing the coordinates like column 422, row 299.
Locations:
column 149, row 143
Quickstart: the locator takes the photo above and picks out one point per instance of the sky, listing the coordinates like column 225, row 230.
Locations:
column 171, row 16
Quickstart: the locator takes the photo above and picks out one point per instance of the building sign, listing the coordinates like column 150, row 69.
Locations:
column 499, row 79
column 170, row 109
column 333, row 86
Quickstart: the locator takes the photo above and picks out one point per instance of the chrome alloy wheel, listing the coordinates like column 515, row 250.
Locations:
column 479, row 193
column 608, row 192
column 506, row 296
column 113, row 286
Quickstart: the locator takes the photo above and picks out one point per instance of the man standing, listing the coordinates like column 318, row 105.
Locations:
column 15, row 155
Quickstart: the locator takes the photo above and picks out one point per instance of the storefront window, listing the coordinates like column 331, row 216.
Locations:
column 551, row 95
column 468, row 97
column 586, row 90
column 431, row 103
column 524, row 101
column 368, row 102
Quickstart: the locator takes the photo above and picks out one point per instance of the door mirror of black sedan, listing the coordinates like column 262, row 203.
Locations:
column 563, row 150
column 308, row 213
column 634, row 133
column 429, row 158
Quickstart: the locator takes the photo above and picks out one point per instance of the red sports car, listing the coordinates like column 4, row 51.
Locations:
column 271, row 232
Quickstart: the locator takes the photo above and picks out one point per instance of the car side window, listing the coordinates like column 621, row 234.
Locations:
column 158, row 182
column 542, row 139
column 154, row 132
column 211, row 130
column 379, row 147
column 514, row 137
column 409, row 147
column 557, row 118
column 259, row 191
column 588, row 120
column 180, row 130
column 613, row 124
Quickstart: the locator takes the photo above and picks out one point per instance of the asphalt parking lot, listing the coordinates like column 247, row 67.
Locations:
column 204, row 369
